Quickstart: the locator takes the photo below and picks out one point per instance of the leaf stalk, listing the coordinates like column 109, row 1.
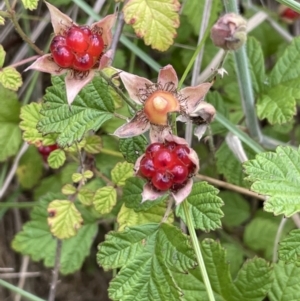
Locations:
column 197, row 249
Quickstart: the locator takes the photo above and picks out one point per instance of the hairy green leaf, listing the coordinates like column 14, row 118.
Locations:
column 128, row 217
column 278, row 104
column 277, row 175
column 64, row 219
column 286, row 285
column 150, row 17
column 205, row 207
column 290, row 248
column 10, row 134
column 30, row 168
column 30, row 4
column 256, row 64
column 105, row 199
column 236, row 209
column 132, row 148
column 86, row 196
column 260, row 233
column 91, row 108
column 30, row 115
column 93, row 144
column 146, row 253
column 56, row 158
column 36, row 240
column 10, row 78
column 121, row 172
column 251, row 284
column 132, row 195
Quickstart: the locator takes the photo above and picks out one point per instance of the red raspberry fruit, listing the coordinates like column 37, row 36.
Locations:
column 63, row 56
column 76, row 39
column 180, row 173
column 96, row 45
column 147, row 167
column 153, row 148
column 45, row 150
column 83, row 62
column 290, row 14
column 162, row 180
column 57, row 41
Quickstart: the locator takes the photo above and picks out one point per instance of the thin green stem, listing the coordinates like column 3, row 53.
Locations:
column 294, row 5
column 191, row 62
column 111, row 152
column 119, row 91
column 19, row 291
column 245, row 83
column 22, row 205
column 198, row 251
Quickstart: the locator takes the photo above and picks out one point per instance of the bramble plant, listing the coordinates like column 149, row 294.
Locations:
column 119, row 156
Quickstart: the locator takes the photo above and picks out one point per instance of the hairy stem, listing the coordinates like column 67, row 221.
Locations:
column 198, row 251
column 55, row 271
column 12, row 16
column 244, row 81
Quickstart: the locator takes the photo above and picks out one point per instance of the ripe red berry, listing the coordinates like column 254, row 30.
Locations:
column 181, row 152
column 96, row 45
column 63, row 56
column 162, row 180
column 46, row 150
column 163, row 158
column 290, row 14
column 180, row 173
column 57, row 41
column 76, row 39
column 147, row 167
column 171, row 145
column 86, row 31
column 153, row 148
column 83, row 62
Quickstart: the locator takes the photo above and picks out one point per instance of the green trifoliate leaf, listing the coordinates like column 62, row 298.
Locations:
column 93, row 144
column 236, row 209
column 286, row 285
column 105, row 199
column 121, row 172
column 2, row 55
column 290, row 248
column 149, row 253
column 30, row 115
column 30, row 4
column 128, row 217
column 260, row 233
column 251, row 284
column 205, row 207
column 10, row 134
column 36, row 240
column 64, row 219
column 278, row 104
column 277, row 175
column 86, row 196
column 30, row 168
column 56, row 158
column 132, row 148
column 132, row 195
column 68, row 189
column 10, row 78
column 148, row 18
column 91, row 108
column 256, row 64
